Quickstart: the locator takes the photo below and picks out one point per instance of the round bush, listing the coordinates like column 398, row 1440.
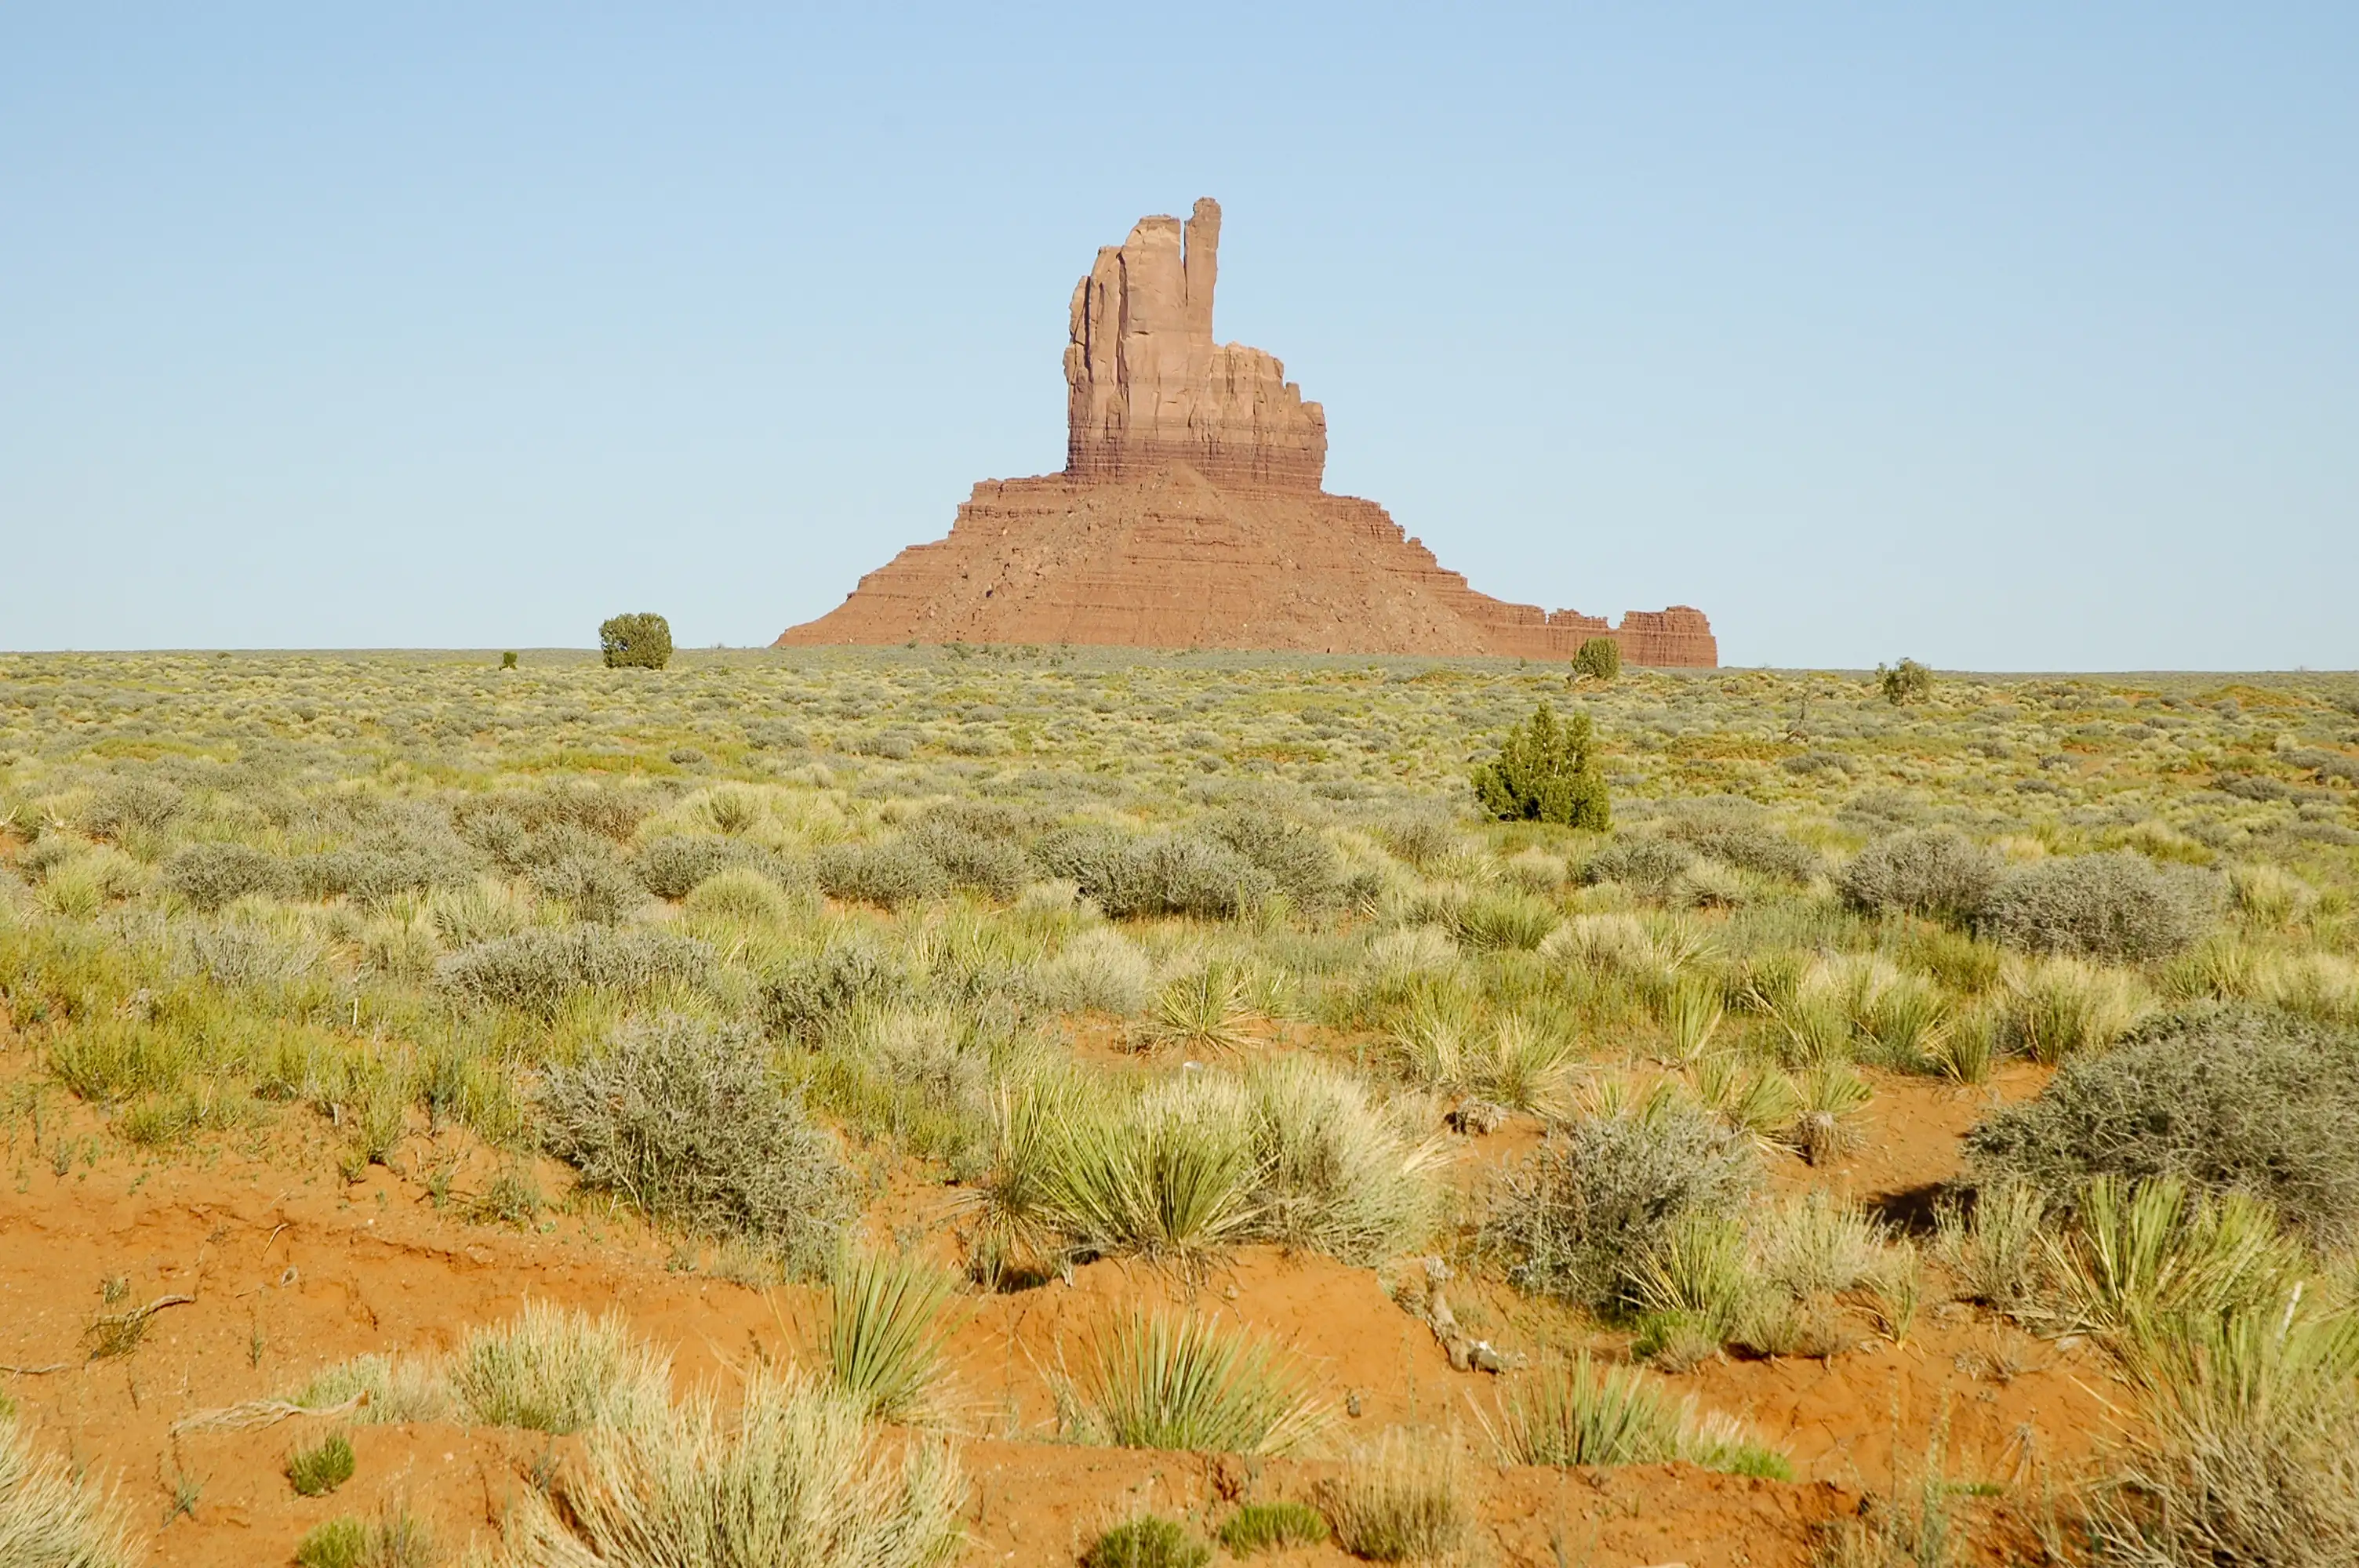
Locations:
column 1578, row 1214
column 2235, row 1099
column 1649, row 866
column 2118, row 906
column 674, row 865
column 682, row 1119
column 1600, row 658
column 1933, row 871
column 211, row 875
column 642, row 641
column 535, row 970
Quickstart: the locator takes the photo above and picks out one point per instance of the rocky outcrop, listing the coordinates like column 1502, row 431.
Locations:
column 1190, row 512
column 1147, row 387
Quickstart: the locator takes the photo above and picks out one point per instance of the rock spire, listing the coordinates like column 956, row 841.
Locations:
column 1191, row 511
column 1146, row 385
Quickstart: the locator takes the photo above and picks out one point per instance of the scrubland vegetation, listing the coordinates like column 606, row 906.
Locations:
column 1159, row 959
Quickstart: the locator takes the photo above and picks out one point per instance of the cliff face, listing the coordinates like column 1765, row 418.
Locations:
column 1190, row 512
column 1147, row 387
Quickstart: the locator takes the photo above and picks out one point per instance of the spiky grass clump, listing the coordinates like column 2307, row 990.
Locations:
column 794, row 1478
column 2057, row 1008
column 558, row 1370
column 319, row 1470
column 1401, row 1499
column 886, row 1332
column 1170, row 1381
column 1338, row 1174
column 1203, row 1010
column 2248, row 1449
column 1273, row 1527
column 1173, row 1176
column 379, row 1390
column 1995, row 1247
column 1584, row 1414
column 1150, row 1541
column 394, row 1539
column 51, row 1520
column 2137, row 1255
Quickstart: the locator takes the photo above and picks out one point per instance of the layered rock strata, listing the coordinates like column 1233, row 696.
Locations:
column 1190, row 512
column 1147, row 387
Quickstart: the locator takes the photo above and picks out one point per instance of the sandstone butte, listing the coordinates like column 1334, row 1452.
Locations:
column 1191, row 515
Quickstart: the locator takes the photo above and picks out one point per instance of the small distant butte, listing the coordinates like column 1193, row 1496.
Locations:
column 1190, row 514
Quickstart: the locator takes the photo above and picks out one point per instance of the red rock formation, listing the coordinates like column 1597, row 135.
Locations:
column 1146, row 386
column 1190, row 512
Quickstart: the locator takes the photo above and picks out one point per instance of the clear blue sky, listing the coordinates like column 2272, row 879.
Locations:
column 2002, row 336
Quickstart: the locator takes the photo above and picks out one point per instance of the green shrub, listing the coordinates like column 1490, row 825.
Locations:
column 535, row 970
column 1147, row 1541
column 672, row 866
column 139, row 801
column 1175, row 873
column 1582, row 1414
column 641, row 641
column 1546, row 771
column 1905, row 682
column 1576, row 1217
column 508, row 660
column 597, row 888
column 1302, row 864
column 683, row 1119
column 2230, row 1099
column 210, row 876
column 2118, row 906
column 341, row 1543
column 1649, row 866
column 805, row 997
column 1933, row 871
column 1273, row 1527
column 889, row 875
column 315, row 1471
column 1731, row 836
column 1599, row 658
column 394, row 1539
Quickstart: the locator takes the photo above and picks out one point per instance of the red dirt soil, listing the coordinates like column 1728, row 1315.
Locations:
column 292, row 1271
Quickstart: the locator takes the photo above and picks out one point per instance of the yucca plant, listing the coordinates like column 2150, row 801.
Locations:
column 1432, row 1043
column 1832, row 1098
column 1174, row 1177
column 2247, row 1446
column 1173, row 1381
column 2138, row 1254
column 1690, row 1009
column 886, row 1328
column 1524, row 1064
column 1203, row 1010
column 1760, row 1100
column 1700, row 1272
column 1579, row 1413
column 2059, row 1006
column 1908, row 1020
